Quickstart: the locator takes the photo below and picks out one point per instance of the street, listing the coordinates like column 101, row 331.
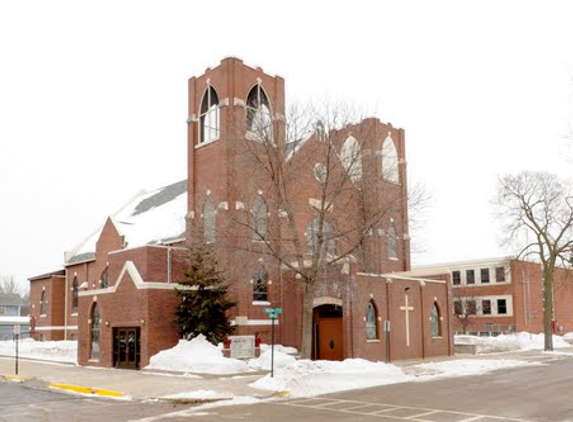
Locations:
column 540, row 392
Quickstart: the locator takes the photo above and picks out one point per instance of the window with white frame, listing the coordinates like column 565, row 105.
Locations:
column 484, row 275
column 209, row 119
column 456, row 278
column 502, row 306
column 390, row 170
column 259, row 117
column 486, row 307
column 500, row 274
column 470, row 277
column 351, row 157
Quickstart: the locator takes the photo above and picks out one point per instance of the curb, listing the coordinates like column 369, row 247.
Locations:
column 86, row 390
column 14, row 378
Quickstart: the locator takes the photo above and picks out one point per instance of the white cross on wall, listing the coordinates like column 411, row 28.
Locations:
column 407, row 309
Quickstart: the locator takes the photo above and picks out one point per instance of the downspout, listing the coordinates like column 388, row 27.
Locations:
column 169, row 265
column 66, row 288
column 388, row 336
column 422, row 318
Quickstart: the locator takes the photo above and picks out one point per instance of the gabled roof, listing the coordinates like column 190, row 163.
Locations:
column 11, row 299
column 152, row 217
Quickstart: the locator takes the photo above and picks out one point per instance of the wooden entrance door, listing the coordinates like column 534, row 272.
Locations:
column 328, row 338
column 126, row 348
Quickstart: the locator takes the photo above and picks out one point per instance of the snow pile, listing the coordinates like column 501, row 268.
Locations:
column 461, row 367
column 58, row 351
column 197, row 355
column 279, row 348
column 310, row 378
column 263, row 362
column 568, row 337
column 510, row 342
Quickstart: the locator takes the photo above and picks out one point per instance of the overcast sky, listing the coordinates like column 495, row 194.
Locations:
column 93, row 101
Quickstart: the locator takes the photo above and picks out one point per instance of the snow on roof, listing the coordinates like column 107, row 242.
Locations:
column 152, row 217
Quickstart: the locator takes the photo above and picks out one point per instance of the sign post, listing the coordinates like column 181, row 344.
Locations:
column 17, row 330
column 273, row 314
column 387, row 339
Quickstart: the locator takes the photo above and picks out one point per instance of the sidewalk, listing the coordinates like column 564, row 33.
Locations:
column 140, row 385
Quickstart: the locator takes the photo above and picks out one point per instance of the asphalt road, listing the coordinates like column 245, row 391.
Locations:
column 538, row 393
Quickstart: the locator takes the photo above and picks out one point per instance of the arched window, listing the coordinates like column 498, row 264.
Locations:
column 95, row 318
column 259, row 117
column 392, row 242
column 390, row 161
column 209, row 220
column 43, row 303
column 75, row 299
column 312, row 230
column 260, row 284
column 209, row 124
column 260, row 219
column 371, row 321
column 351, row 157
column 436, row 323
column 104, row 279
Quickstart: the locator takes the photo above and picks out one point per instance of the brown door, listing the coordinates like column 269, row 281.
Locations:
column 126, row 348
column 330, row 339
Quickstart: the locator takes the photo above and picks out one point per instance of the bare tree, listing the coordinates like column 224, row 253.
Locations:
column 325, row 196
column 8, row 285
column 540, row 205
column 466, row 307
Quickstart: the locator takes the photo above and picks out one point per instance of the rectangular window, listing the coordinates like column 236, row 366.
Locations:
column 471, row 307
column 486, row 307
column 470, row 277
column 484, row 275
column 500, row 274
column 458, row 307
column 456, row 278
column 2, row 310
column 501, row 306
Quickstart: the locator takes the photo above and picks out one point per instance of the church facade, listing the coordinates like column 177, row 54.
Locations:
column 311, row 218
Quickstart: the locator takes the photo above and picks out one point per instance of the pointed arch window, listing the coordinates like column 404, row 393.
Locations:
column 259, row 117
column 312, row 230
column 436, row 322
column 43, row 303
column 392, row 242
column 390, row 161
column 371, row 321
column 104, row 279
column 351, row 157
column 209, row 220
column 260, row 284
column 75, row 295
column 260, row 219
column 95, row 320
column 209, row 118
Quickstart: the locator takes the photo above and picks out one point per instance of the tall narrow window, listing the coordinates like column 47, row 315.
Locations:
column 209, row 126
column 500, row 274
column 260, row 285
column 75, row 299
column 501, row 306
column 351, row 157
column 259, row 117
column 95, row 318
column 43, row 303
column 392, row 242
column 486, row 307
column 456, row 278
column 104, row 279
column 327, row 245
column 470, row 277
column 390, row 170
column 371, row 322
column 436, row 323
column 260, row 219
column 484, row 275
column 209, row 220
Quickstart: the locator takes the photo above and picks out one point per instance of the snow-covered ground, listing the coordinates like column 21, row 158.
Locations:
column 510, row 342
column 58, row 351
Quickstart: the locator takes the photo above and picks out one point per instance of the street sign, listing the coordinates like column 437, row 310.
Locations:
column 273, row 312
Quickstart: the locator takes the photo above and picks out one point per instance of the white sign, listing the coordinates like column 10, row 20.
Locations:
column 242, row 347
column 17, row 329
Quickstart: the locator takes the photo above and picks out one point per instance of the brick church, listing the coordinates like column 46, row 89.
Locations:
column 311, row 218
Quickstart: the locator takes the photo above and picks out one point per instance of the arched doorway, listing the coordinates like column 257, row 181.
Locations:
column 327, row 339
